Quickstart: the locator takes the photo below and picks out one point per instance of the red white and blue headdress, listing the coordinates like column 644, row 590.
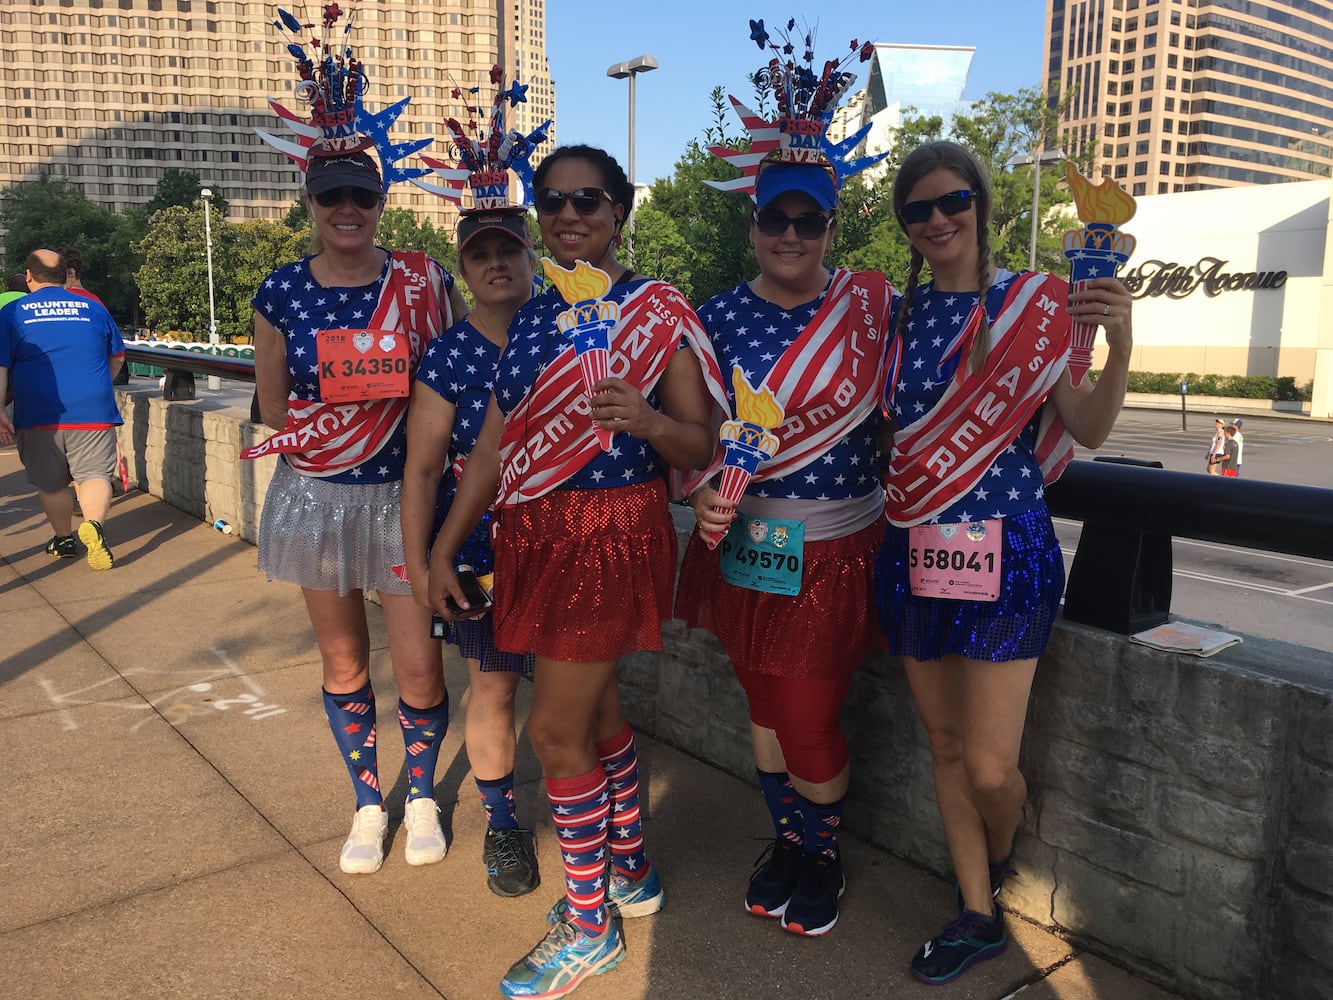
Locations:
column 332, row 81
column 486, row 153
column 806, row 102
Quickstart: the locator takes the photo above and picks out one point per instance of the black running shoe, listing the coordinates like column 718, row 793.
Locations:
column 511, row 862
column 62, row 547
column 966, row 939
column 813, row 909
column 774, row 879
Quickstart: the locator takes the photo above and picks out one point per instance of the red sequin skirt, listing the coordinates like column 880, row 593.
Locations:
column 829, row 628
column 584, row 575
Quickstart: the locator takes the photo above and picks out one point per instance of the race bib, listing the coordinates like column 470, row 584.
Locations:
column 356, row 365
column 957, row 561
column 765, row 555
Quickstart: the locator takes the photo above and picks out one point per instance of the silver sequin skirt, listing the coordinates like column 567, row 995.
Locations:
column 331, row 536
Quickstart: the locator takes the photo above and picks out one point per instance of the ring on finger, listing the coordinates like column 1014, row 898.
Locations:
column 1106, row 309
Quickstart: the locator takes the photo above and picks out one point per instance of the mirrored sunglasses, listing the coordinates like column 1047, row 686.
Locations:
column 585, row 200
column 916, row 212
column 808, row 226
column 361, row 197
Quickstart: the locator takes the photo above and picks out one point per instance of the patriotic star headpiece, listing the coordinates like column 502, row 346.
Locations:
column 485, row 152
column 332, row 82
column 806, row 101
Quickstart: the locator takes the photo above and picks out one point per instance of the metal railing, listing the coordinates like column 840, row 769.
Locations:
column 191, row 362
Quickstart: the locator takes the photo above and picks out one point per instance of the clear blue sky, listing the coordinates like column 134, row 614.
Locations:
column 700, row 44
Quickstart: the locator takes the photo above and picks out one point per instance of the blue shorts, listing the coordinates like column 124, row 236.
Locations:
column 1017, row 626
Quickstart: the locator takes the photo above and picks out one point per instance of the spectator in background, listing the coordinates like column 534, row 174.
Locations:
column 17, row 288
column 63, row 352
column 1216, row 449
column 1230, row 452
column 73, row 271
column 1240, row 443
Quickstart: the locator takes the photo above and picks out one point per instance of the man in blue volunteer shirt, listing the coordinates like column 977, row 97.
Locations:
column 60, row 351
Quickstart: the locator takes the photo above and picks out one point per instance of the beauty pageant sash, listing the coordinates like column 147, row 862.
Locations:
column 324, row 439
column 943, row 455
column 830, row 378
column 549, row 436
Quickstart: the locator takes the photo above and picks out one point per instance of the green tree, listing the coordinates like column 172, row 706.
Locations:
column 173, row 278
column 53, row 213
column 399, row 229
column 181, row 188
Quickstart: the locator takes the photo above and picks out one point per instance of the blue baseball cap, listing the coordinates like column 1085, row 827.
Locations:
column 779, row 178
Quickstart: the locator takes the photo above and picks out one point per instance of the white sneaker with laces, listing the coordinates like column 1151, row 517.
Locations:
column 425, row 840
column 363, row 851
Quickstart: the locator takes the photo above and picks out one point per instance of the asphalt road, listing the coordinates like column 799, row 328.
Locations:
column 1259, row 593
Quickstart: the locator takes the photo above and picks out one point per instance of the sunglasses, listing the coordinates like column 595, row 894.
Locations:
column 808, row 226
column 587, row 200
column 916, row 212
column 361, row 197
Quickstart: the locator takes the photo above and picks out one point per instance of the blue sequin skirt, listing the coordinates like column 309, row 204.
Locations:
column 1017, row 626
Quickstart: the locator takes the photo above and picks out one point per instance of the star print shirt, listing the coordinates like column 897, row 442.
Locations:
column 299, row 307
column 534, row 342
column 1013, row 483
column 459, row 365
column 752, row 332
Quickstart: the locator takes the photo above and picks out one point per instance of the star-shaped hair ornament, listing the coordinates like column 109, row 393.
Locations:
column 806, row 101
column 331, row 81
column 485, row 151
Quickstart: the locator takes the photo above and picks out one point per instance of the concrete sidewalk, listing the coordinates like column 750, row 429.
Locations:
column 176, row 810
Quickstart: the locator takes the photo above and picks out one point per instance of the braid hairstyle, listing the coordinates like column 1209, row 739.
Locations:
column 614, row 181
column 949, row 156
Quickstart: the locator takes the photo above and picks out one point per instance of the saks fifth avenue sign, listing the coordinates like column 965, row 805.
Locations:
column 1154, row 278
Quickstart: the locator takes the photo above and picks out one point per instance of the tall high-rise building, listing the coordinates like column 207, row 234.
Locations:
column 1185, row 95
column 111, row 93
column 523, row 54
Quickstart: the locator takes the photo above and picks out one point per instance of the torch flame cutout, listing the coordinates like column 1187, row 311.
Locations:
column 1105, row 202
column 756, row 406
column 580, row 283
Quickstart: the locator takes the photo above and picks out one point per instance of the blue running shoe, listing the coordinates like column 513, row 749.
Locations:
column 813, row 907
column 636, row 897
column 967, row 939
column 562, row 960
column 774, row 878
column 626, row 897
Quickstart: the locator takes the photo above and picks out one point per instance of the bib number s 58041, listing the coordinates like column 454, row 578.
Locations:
column 957, row 561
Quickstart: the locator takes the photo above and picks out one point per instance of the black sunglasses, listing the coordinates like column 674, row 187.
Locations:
column 587, row 200
column 361, row 197
column 916, row 212
column 808, row 226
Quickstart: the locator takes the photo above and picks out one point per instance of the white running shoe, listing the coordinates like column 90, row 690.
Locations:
column 363, row 851
column 425, row 840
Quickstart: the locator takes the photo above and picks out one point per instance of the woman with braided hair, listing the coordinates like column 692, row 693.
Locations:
column 970, row 575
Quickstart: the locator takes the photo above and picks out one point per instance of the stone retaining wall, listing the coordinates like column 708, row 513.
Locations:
column 1180, row 810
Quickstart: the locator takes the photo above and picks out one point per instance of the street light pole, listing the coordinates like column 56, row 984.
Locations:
column 214, row 382
column 631, row 68
column 1044, row 158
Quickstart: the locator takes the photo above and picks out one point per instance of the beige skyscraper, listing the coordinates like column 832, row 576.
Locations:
column 111, row 93
column 1184, row 95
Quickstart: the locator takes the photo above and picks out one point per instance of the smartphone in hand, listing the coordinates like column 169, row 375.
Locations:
column 478, row 600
